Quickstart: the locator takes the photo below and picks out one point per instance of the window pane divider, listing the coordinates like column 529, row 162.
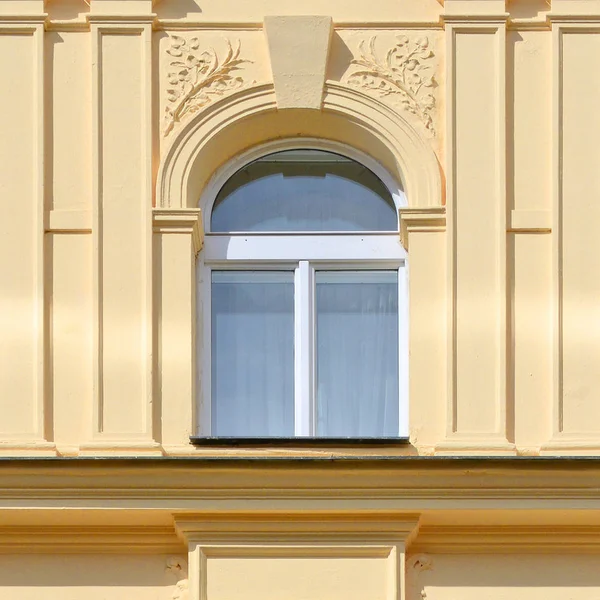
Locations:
column 304, row 345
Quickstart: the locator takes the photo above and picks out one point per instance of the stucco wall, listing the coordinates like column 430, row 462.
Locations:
column 98, row 352
column 501, row 577
column 93, row 576
column 122, row 577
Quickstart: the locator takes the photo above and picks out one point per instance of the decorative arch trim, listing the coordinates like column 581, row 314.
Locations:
column 232, row 125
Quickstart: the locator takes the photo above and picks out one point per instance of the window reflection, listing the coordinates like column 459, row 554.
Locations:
column 304, row 190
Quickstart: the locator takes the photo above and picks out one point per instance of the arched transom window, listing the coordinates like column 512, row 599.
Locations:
column 302, row 281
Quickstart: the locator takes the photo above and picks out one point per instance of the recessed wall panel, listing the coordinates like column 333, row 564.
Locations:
column 579, row 242
column 477, row 206
column 71, row 334
column 68, row 79
column 121, row 228
column 298, row 578
column 530, row 193
column 20, row 323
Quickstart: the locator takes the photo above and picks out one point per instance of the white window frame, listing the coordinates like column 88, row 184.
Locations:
column 304, row 253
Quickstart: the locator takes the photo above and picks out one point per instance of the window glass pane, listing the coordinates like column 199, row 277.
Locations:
column 304, row 190
column 252, row 381
column 357, row 353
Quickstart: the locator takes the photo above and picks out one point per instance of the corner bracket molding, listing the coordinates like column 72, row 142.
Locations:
column 421, row 220
column 179, row 220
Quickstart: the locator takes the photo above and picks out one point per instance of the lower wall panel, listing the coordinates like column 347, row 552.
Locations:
column 71, row 337
column 298, row 578
column 93, row 577
column 19, row 309
column 447, row 577
column 504, row 577
column 579, row 249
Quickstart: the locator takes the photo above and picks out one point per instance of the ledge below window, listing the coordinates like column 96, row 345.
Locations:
column 298, row 442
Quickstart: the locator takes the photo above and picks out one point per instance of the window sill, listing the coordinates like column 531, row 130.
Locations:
column 297, row 442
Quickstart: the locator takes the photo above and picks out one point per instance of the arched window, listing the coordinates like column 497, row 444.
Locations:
column 303, row 291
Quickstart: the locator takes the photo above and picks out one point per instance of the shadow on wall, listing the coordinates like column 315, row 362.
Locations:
column 67, row 10
column 529, row 9
column 340, row 58
column 182, row 9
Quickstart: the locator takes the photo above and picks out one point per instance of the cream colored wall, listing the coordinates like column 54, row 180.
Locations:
column 98, row 350
column 93, row 576
column 446, row 576
column 506, row 576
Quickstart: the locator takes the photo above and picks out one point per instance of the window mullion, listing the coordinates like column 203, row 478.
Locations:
column 304, row 350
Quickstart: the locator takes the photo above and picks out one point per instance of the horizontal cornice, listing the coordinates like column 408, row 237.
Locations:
column 503, row 539
column 148, row 539
column 318, row 483
column 104, row 539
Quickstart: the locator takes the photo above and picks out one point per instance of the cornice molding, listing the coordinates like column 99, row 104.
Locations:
column 304, row 525
column 502, row 539
column 179, row 220
column 302, row 484
column 106, row 539
column 15, row 18
column 586, row 19
column 67, row 25
column 421, row 220
column 299, row 527
column 124, row 20
column 475, row 19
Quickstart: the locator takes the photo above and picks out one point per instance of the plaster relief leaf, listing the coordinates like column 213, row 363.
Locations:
column 404, row 75
column 196, row 78
column 181, row 591
column 178, row 568
column 421, row 563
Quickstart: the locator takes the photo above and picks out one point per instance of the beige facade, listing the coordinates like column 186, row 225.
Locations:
column 120, row 120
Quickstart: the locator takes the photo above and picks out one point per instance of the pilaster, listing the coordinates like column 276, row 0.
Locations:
column 25, row 416
column 178, row 238
column 123, row 415
column 575, row 130
column 423, row 234
column 478, row 396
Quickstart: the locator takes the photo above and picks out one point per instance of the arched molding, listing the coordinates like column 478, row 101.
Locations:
column 250, row 117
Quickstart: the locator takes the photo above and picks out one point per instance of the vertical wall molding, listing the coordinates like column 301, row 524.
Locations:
column 139, row 435
column 29, row 433
column 178, row 237
column 564, row 439
column 489, row 437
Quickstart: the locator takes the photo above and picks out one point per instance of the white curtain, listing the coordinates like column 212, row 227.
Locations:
column 357, row 353
column 252, row 378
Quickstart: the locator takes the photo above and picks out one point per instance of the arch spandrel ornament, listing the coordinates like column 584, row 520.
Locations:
column 250, row 117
